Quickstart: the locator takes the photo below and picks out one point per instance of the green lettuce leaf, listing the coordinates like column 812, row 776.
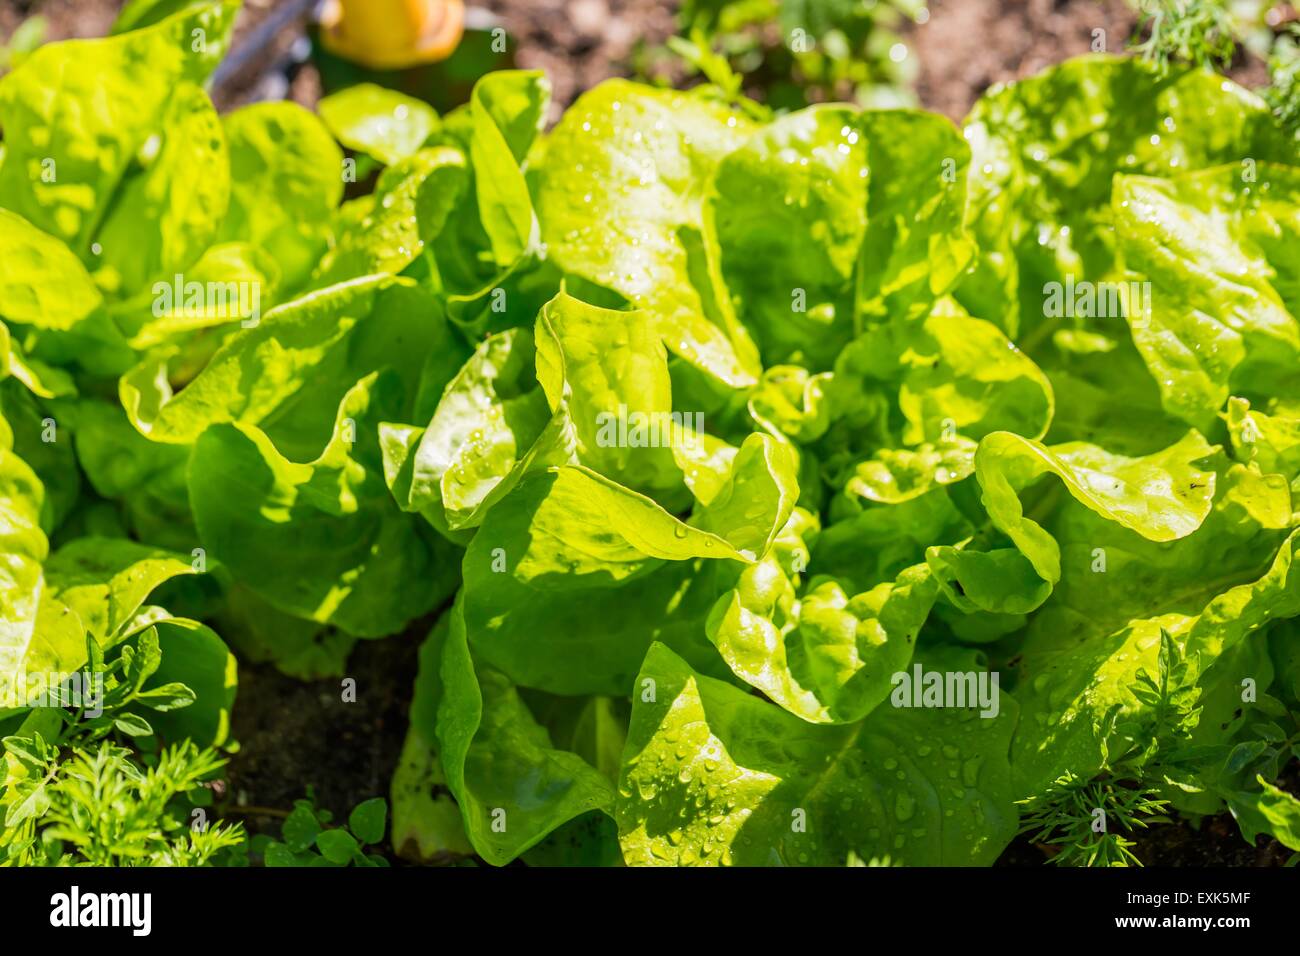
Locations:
column 787, row 212
column 1221, row 253
column 23, row 547
column 105, row 581
column 946, row 382
column 1162, row 497
column 383, row 123
column 491, row 427
column 507, row 109
column 388, row 231
column 569, row 546
column 322, row 540
column 166, row 214
column 607, row 372
column 714, row 776
column 1080, row 661
column 619, row 197
column 1272, row 442
column 488, row 743
column 257, row 370
column 916, row 247
column 128, row 114
column 41, row 282
column 1045, row 150
column 285, row 185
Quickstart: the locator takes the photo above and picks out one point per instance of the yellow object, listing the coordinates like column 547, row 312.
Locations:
column 392, row 34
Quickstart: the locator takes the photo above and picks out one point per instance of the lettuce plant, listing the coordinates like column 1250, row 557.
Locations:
column 827, row 488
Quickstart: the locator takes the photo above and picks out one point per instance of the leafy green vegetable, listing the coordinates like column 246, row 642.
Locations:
column 284, row 186
column 794, row 489
column 43, row 282
column 321, row 540
column 620, row 202
column 761, row 787
column 377, row 121
column 1221, row 244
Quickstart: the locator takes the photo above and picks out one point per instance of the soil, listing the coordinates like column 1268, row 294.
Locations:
column 581, row 42
column 296, row 734
column 966, row 46
column 293, row 734
column 1217, row 842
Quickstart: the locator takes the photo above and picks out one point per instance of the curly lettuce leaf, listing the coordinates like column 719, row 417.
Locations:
column 23, row 548
column 604, row 370
column 322, row 540
column 715, row 776
column 383, row 123
column 89, row 123
column 386, row 232
column 39, row 437
column 1068, row 687
column 491, row 427
column 944, row 384
column 489, row 743
column 569, row 546
column 1162, row 497
column 1217, row 248
column 285, row 183
column 1272, row 442
column 619, row 197
column 105, row 581
column 787, row 212
column 41, row 282
column 255, row 372
column 916, row 248
column 1044, row 152
column 822, row 653
column 507, row 110
column 164, row 215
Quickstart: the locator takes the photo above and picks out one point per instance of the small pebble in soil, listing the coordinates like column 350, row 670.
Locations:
column 589, row 17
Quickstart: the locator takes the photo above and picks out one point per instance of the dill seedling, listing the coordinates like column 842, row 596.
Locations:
column 1197, row 32
column 1085, row 819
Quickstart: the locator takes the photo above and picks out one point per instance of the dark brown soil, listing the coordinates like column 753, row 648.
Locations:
column 1216, row 843
column 68, row 19
column 294, row 734
column 968, row 45
column 581, row 42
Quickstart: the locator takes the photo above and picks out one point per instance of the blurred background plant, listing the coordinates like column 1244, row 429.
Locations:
column 1284, row 65
column 790, row 53
column 1200, row 32
column 1216, row 34
column 29, row 35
